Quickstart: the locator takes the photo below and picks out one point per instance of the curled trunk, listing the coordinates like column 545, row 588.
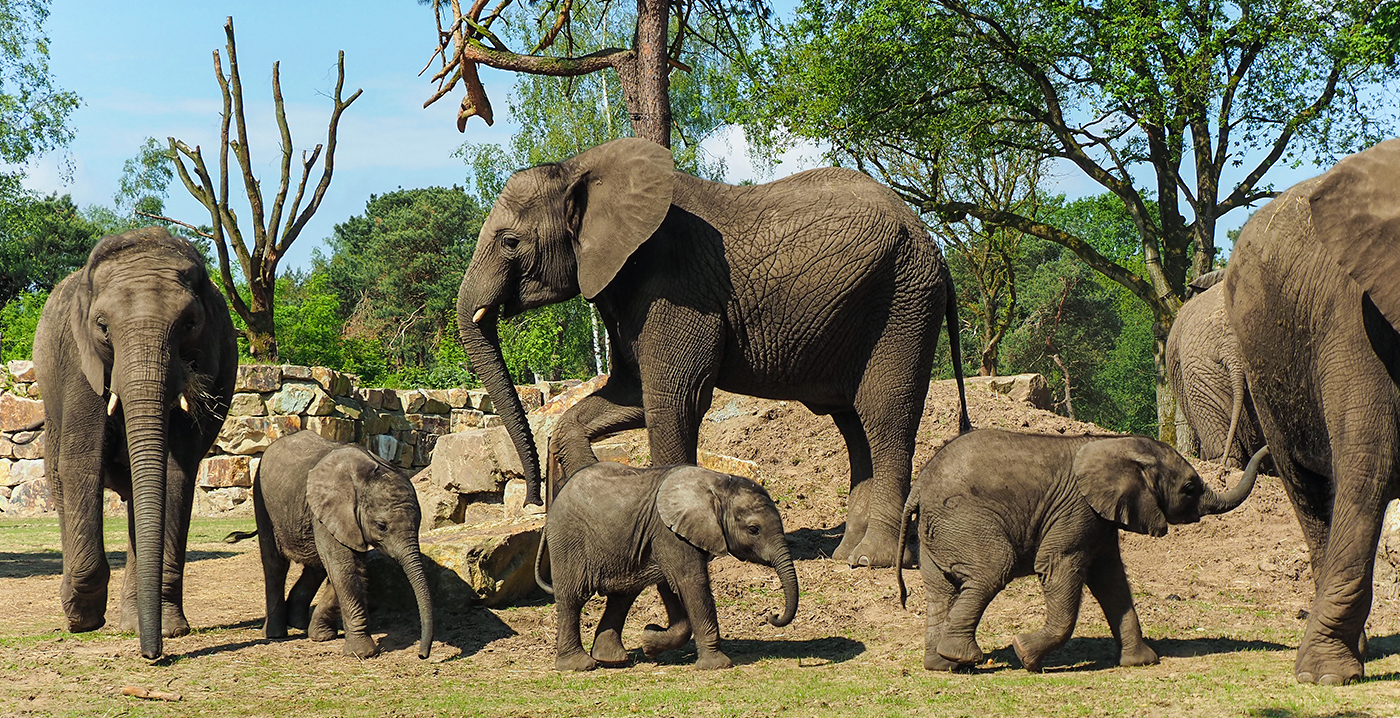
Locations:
column 1213, row 503
column 787, row 573
column 483, row 347
column 142, row 393
column 411, row 559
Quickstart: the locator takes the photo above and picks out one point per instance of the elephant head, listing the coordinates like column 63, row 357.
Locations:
column 364, row 503
column 152, row 335
column 1142, row 484
column 556, row 230
column 722, row 514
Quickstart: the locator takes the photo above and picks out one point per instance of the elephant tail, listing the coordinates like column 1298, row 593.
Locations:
column 955, row 350
column 31, row 426
column 236, row 536
column 1237, row 392
column 911, row 507
column 539, row 579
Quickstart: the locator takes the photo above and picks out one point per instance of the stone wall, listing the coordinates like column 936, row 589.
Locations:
column 270, row 401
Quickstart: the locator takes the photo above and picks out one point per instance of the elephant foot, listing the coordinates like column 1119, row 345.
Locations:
column 173, row 623
column 273, row 629
column 360, row 646
column 85, row 624
column 575, row 662
column 877, row 551
column 1143, row 655
column 321, row 631
column 935, row 662
column 713, row 660
column 1327, row 662
column 86, row 613
column 128, row 623
column 960, row 650
column 657, row 640
column 608, row 651
column 1030, row 661
column 298, row 617
column 849, row 541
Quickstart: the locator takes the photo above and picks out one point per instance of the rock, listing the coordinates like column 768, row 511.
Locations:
column 346, row 408
column 372, row 398
column 490, row 563
column 490, row 421
column 476, row 461
column 29, row 390
column 390, row 400
column 619, row 453
column 1030, row 388
column 513, row 501
column 425, row 401
column 341, row 430
column 258, row 377
column 429, row 423
column 214, row 502
column 224, row 471
column 253, row 434
column 1390, row 534
column 730, row 465
column 17, row 413
column 463, row 419
column 530, row 397
column 406, row 454
column 31, row 498
column 438, row 506
column 385, row 446
column 26, row 471
column 459, row 398
column 321, row 405
column 293, row 371
column 247, row 404
column 295, row 397
column 331, row 381
column 375, row 421
column 5, row 465
column 481, row 400
column 28, row 445
column 423, row 449
column 7, row 447
column 570, row 396
column 22, row 370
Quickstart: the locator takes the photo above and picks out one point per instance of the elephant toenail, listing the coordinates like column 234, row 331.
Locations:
column 865, row 560
column 1305, row 677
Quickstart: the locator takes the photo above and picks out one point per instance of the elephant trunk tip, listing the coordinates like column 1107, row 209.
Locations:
column 1217, row 504
column 778, row 620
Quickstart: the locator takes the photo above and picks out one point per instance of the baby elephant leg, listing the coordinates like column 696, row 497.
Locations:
column 657, row 640
column 569, row 653
column 325, row 621
column 1063, row 587
column 940, row 592
column 958, row 643
column 1109, row 584
column 303, row 593
column 607, row 642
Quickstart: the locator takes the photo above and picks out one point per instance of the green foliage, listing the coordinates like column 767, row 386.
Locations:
column 145, row 180
column 18, row 320
column 34, row 113
column 42, row 240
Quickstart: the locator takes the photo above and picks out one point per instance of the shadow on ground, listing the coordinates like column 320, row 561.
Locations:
column 468, row 631
column 810, row 652
column 809, row 543
column 1094, row 654
column 50, row 563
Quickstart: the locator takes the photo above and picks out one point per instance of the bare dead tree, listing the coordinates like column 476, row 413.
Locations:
column 271, row 235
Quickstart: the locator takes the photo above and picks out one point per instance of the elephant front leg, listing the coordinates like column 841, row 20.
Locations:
column 617, row 406
column 1064, row 589
column 607, row 641
column 347, row 577
column 699, row 602
column 325, row 620
column 657, row 640
column 179, row 505
column 78, row 489
column 1109, row 583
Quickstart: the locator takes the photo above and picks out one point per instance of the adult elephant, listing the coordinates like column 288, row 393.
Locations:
column 1313, row 294
column 136, row 355
column 822, row 288
column 1206, row 372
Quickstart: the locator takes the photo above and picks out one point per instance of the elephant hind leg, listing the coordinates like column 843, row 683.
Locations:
column 326, row 619
column 303, row 593
column 607, row 641
column 940, row 592
column 569, row 653
column 657, row 640
column 858, row 500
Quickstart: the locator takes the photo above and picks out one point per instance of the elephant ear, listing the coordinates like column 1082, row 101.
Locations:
column 80, row 324
column 331, row 493
column 619, row 198
column 1356, row 217
column 690, row 505
column 1114, row 477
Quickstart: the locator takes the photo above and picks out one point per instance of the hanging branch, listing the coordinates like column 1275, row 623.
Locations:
column 270, row 242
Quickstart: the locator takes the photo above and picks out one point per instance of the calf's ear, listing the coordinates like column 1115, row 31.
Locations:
column 1113, row 476
column 690, row 505
column 331, row 494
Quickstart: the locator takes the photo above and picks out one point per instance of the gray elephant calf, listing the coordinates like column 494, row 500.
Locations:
column 996, row 505
column 324, row 505
column 615, row 530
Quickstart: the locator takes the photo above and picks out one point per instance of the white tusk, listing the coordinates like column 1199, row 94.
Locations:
column 185, row 404
column 476, row 318
column 112, row 404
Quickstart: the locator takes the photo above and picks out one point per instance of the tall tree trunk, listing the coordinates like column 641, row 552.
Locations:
column 646, row 80
column 1166, row 400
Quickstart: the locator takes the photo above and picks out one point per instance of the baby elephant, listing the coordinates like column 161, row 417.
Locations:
column 324, row 505
column 615, row 530
column 996, row 505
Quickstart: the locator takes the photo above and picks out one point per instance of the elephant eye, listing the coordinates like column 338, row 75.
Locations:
column 509, row 240
column 754, row 529
column 381, row 526
column 101, row 325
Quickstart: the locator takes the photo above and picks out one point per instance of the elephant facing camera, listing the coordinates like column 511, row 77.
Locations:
column 325, row 505
column 996, row 505
column 614, row 530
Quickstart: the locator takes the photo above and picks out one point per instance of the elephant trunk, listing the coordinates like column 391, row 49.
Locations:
column 411, row 559
column 782, row 563
column 142, row 384
column 477, row 328
column 1213, row 503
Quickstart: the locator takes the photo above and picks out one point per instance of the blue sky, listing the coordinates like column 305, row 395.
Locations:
column 144, row 69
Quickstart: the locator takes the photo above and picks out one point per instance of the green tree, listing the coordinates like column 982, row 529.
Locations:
column 395, row 270
column 18, row 320
column 42, row 240
column 34, row 113
column 1144, row 97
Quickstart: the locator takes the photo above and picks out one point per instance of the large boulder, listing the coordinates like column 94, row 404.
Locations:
column 475, row 461
column 258, row 377
column 253, row 434
column 1029, row 388
column 490, row 563
column 17, row 413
